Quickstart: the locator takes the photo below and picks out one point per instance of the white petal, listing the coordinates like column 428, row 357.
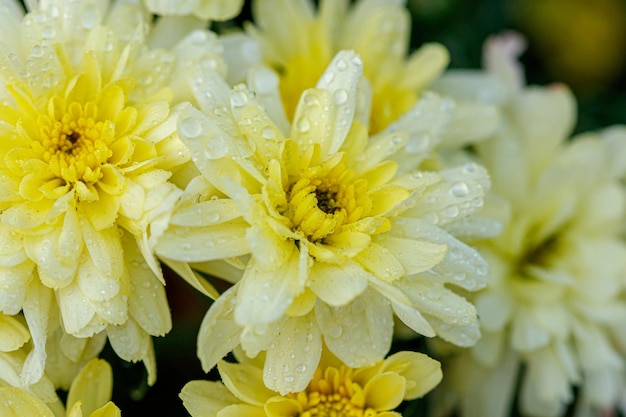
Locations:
column 264, row 295
column 218, row 334
column 339, row 284
column 340, row 80
column 293, row 356
column 360, row 332
column 36, row 311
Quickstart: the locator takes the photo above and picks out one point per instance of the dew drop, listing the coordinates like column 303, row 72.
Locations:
column 301, row 368
column 191, row 127
column 452, row 211
column 469, row 168
column 304, row 125
column 289, row 379
column 341, row 65
column 90, row 18
column 340, row 96
column 268, row 133
column 459, row 189
column 238, row 99
column 37, row 51
column 328, row 76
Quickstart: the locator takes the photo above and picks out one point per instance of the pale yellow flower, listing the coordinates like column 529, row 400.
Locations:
column 554, row 306
column 89, row 143
column 372, row 391
column 299, row 42
column 89, row 397
column 203, row 9
column 325, row 236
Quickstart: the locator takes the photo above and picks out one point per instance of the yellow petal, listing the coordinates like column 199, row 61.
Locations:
column 93, row 386
column 245, row 381
column 15, row 402
column 14, row 334
column 206, row 398
column 381, row 262
column 385, row 391
column 421, row 372
column 107, row 410
column 282, row 407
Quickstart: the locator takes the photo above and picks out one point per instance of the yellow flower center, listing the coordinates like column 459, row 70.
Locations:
column 333, row 394
column 75, row 145
column 326, row 197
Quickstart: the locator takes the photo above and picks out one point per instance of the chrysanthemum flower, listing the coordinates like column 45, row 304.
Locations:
column 332, row 236
column 203, row 9
column 89, row 141
column 335, row 389
column 554, row 308
column 89, row 397
column 299, row 43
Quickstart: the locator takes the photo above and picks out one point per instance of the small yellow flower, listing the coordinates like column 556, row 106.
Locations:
column 335, row 389
column 89, row 397
column 325, row 236
column 299, row 43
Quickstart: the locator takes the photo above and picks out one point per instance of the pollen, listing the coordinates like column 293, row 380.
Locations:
column 333, row 393
column 326, row 197
column 75, row 145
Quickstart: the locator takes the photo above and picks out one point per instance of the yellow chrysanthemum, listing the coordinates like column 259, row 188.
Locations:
column 299, row 43
column 88, row 145
column 335, row 390
column 553, row 313
column 89, row 396
column 332, row 236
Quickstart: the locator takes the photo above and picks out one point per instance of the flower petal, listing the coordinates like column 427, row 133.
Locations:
column 93, row 386
column 360, row 332
column 292, row 357
column 218, row 333
column 245, row 381
column 337, row 285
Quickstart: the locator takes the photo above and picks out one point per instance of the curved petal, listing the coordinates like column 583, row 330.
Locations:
column 337, row 285
column 385, row 391
column 360, row 332
column 245, row 381
column 293, row 355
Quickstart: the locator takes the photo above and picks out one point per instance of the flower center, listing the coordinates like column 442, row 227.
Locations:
column 326, row 197
column 74, row 145
column 333, row 394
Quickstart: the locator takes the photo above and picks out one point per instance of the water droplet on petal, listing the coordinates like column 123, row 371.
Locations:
column 268, row 133
column 459, row 189
column 191, row 127
column 340, row 96
column 341, row 65
column 304, row 125
column 238, row 99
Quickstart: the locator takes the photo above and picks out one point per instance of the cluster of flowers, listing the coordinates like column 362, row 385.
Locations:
column 348, row 190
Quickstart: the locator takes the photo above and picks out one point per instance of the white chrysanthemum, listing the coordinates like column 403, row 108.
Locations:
column 555, row 304
column 332, row 235
column 89, row 145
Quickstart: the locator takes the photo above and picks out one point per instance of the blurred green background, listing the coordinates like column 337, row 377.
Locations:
column 577, row 42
